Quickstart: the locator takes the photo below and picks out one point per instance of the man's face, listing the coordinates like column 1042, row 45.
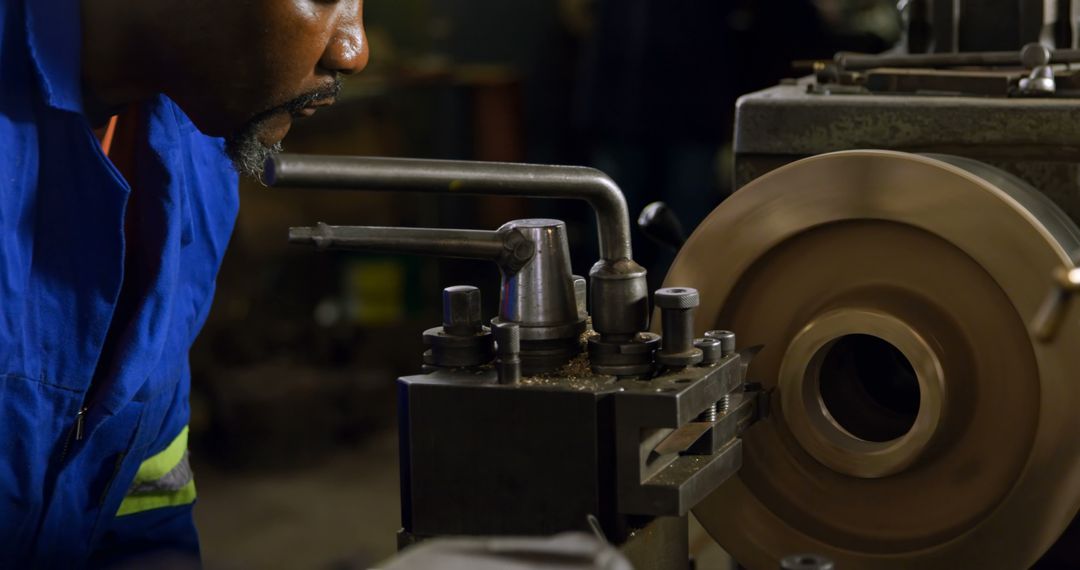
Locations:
column 247, row 68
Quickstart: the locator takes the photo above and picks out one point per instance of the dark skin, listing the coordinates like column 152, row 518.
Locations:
column 224, row 62
column 235, row 67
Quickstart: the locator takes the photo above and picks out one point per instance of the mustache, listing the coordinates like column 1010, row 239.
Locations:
column 329, row 91
column 243, row 147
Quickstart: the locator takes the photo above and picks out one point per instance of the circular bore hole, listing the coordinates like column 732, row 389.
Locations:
column 869, row 387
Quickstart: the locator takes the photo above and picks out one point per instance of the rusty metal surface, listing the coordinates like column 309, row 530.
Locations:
column 951, row 266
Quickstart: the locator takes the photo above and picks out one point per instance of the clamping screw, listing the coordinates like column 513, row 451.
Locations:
column 677, row 306
column 461, row 311
column 462, row 340
column 711, row 350
column 711, row 414
column 727, row 341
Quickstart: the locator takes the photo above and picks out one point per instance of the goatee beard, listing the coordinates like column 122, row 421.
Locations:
column 247, row 154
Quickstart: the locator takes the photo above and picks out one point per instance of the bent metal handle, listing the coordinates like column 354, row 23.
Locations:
column 465, row 177
column 620, row 303
column 508, row 247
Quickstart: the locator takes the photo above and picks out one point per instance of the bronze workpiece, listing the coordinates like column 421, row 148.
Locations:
column 934, row 265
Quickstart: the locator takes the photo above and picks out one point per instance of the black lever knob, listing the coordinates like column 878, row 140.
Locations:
column 658, row 222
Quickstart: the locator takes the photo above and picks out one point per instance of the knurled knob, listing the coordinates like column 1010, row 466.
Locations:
column 677, row 322
column 676, row 298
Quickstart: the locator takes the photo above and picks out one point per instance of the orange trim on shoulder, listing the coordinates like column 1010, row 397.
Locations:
column 110, row 131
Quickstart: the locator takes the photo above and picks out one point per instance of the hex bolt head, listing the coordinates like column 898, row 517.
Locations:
column 461, row 311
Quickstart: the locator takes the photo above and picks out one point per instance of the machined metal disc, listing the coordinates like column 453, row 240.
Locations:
column 915, row 422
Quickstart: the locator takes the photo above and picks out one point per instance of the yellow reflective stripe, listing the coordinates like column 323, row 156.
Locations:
column 157, row 466
column 139, row 503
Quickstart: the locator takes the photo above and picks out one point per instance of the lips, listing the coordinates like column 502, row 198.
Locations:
column 312, row 108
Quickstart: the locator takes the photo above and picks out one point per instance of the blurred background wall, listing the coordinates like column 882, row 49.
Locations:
column 293, row 389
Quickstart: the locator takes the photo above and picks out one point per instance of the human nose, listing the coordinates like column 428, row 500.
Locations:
column 347, row 50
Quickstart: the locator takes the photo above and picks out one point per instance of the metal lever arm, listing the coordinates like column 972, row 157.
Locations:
column 509, row 248
column 1051, row 313
column 460, row 177
column 619, row 288
column 859, row 62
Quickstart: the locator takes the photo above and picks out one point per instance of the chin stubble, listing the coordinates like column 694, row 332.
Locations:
column 247, row 154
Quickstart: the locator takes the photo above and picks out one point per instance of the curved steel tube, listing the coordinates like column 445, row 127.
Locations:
column 462, row 177
column 508, row 248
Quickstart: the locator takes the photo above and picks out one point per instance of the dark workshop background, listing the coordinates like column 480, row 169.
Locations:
column 293, row 406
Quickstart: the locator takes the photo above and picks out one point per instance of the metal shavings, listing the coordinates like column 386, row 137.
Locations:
column 575, row 375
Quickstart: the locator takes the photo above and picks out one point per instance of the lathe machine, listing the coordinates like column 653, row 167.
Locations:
column 867, row 355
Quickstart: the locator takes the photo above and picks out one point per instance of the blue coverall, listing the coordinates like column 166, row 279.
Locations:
column 91, row 477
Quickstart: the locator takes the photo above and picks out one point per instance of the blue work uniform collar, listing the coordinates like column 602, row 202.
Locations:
column 54, row 38
column 54, row 35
